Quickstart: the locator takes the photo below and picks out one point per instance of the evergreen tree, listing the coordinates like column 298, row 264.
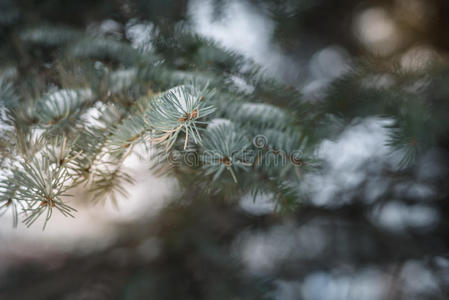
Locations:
column 76, row 103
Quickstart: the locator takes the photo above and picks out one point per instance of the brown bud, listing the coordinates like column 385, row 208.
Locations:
column 186, row 117
column 225, row 160
column 195, row 113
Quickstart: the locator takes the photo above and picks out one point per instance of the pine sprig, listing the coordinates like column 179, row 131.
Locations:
column 179, row 110
column 131, row 131
column 42, row 186
column 107, row 184
column 63, row 108
column 225, row 149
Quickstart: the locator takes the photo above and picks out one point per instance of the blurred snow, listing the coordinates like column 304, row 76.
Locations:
column 329, row 63
column 243, row 29
column 325, row 65
column 263, row 204
column 396, row 216
column 418, row 280
column 140, row 34
column 107, row 27
column 368, row 284
column 262, row 251
column 357, row 155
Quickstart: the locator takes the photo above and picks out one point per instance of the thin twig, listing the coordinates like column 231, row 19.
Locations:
column 187, row 137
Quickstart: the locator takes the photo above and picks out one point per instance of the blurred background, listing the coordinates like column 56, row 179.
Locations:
column 359, row 235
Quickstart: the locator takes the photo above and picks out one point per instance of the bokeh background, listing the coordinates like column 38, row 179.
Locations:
column 361, row 236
